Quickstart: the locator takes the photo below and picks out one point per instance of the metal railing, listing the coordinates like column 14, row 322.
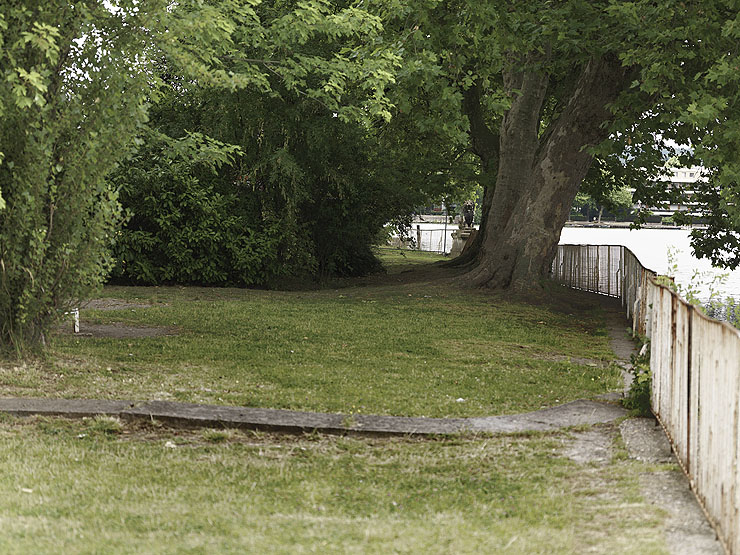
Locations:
column 611, row 270
column 428, row 240
column 695, row 365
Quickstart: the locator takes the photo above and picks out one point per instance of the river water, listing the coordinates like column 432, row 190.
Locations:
column 651, row 246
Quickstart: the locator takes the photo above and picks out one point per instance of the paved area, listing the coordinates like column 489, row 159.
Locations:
column 192, row 415
column 687, row 530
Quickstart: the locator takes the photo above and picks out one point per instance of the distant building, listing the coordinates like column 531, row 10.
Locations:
column 685, row 180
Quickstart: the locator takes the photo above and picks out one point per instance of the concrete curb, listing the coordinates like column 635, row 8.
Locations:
column 188, row 415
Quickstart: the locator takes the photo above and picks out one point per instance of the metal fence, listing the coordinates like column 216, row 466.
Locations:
column 428, row 240
column 609, row 270
column 695, row 364
column 433, row 240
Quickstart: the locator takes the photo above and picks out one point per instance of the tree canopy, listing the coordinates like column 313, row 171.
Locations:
column 280, row 190
column 279, row 117
column 77, row 80
column 537, row 91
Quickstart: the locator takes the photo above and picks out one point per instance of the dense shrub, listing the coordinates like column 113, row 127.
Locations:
column 296, row 194
column 186, row 226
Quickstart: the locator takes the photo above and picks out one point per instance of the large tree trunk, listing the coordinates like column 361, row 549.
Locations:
column 538, row 175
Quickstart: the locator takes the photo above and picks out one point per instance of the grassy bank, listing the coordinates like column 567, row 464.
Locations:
column 401, row 344
column 95, row 486
column 409, row 343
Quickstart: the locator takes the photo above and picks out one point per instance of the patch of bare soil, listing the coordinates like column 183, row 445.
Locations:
column 118, row 331
column 593, row 446
column 572, row 360
column 423, row 273
column 561, row 299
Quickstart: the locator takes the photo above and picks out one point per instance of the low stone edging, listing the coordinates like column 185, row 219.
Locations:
column 576, row 413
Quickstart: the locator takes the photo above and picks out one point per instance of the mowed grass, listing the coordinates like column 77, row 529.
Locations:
column 383, row 345
column 97, row 486
column 408, row 343
column 397, row 260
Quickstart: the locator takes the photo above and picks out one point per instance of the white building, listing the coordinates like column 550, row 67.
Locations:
column 684, row 179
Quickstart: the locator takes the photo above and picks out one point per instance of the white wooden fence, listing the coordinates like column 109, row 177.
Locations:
column 695, row 363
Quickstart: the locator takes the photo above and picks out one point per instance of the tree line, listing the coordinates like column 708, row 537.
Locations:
column 244, row 143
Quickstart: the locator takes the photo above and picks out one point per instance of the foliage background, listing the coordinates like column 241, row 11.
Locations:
column 286, row 189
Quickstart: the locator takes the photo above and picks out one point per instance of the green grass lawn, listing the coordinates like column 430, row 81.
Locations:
column 97, row 486
column 407, row 343
column 384, row 345
column 396, row 260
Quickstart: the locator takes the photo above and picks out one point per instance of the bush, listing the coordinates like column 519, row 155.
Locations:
column 185, row 226
column 62, row 129
column 638, row 398
column 290, row 192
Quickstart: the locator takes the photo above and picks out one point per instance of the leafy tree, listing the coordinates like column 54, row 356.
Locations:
column 306, row 189
column 712, row 116
column 301, row 193
column 606, row 186
column 617, row 201
column 68, row 109
column 76, row 82
column 540, row 89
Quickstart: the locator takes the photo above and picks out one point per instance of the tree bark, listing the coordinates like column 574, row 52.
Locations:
column 539, row 175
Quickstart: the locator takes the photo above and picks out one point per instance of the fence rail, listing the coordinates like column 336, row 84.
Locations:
column 428, row 240
column 695, row 364
column 609, row 270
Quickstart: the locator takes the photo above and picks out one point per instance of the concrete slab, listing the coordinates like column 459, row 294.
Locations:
column 576, row 413
column 687, row 530
column 193, row 415
column 646, row 441
column 184, row 414
column 72, row 408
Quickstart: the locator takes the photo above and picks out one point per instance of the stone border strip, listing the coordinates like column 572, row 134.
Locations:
column 576, row 413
